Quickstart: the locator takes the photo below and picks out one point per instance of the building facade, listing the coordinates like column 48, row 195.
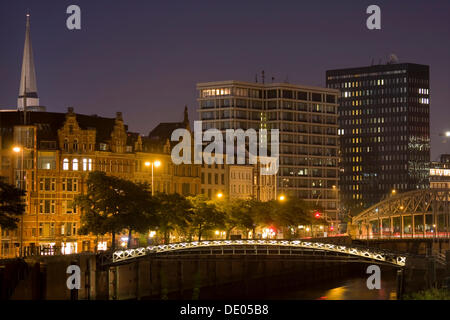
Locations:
column 237, row 182
column 55, row 153
column 440, row 173
column 307, row 119
column 384, row 127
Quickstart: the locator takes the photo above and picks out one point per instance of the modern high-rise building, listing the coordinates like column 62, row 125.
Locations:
column 307, row 121
column 384, row 127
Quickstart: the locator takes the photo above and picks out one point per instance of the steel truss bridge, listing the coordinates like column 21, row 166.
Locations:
column 409, row 215
column 295, row 248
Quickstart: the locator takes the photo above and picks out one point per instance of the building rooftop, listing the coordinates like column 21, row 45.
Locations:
column 48, row 123
column 257, row 85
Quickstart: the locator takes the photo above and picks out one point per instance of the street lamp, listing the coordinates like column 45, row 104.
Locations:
column 393, row 192
column 153, row 164
column 220, row 195
column 18, row 150
column 282, row 198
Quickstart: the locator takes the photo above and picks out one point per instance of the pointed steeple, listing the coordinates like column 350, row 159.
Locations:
column 28, row 89
column 186, row 115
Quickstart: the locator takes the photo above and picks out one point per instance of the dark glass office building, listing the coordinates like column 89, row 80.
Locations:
column 384, row 128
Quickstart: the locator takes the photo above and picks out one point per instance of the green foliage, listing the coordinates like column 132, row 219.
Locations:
column 112, row 204
column 236, row 213
column 174, row 214
column 11, row 205
column 205, row 216
column 432, row 294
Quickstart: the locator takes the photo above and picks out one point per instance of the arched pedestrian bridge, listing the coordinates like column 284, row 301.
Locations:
column 409, row 215
column 265, row 247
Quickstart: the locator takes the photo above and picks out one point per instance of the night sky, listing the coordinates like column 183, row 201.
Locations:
column 144, row 58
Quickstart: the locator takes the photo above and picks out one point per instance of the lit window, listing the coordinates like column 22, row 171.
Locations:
column 66, row 164
column 75, row 164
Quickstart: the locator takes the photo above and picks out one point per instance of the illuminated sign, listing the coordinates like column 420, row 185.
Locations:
column 440, row 172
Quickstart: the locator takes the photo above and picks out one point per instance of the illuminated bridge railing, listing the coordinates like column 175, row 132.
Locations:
column 367, row 253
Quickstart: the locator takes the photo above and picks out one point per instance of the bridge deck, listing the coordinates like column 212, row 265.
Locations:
column 266, row 247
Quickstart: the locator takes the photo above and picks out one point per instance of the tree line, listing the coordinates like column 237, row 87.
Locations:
column 112, row 205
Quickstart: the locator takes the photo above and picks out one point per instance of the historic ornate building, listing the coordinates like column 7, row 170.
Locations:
column 51, row 158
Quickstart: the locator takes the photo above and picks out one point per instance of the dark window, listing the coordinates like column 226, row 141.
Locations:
column 316, row 97
column 302, row 95
column 271, row 94
column 331, row 98
column 287, row 94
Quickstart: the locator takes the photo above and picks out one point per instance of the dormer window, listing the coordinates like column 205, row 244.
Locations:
column 75, row 145
column 66, row 145
column 103, row 147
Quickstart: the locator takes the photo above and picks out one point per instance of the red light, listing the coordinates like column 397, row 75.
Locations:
column 317, row 215
column 331, row 228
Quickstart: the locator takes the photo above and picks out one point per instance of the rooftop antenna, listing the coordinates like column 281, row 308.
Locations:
column 273, row 79
column 392, row 59
column 263, row 77
column 256, row 78
column 372, row 61
column 287, row 79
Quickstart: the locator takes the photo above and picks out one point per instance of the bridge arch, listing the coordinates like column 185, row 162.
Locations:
column 409, row 215
column 296, row 247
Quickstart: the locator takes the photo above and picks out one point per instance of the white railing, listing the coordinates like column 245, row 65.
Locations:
column 123, row 255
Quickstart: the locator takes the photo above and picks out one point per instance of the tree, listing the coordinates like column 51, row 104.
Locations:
column 101, row 205
column 205, row 216
column 138, row 209
column 290, row 213
column 174, row 213
column 11, row 205
column 236, row 215
column 261, row 213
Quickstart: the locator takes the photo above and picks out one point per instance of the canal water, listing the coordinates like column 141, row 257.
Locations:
column 353, row 288
column 350, row 286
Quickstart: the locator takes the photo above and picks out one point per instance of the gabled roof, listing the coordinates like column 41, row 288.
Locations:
column 163, row 131
column 48, row 123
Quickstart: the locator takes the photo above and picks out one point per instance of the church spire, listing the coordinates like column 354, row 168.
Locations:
column 28, row 88
column 186, row 115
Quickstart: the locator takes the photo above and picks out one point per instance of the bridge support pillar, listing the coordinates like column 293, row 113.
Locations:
column 180, row 279
column 399, row 284
column 138, row 293
column 112, row 281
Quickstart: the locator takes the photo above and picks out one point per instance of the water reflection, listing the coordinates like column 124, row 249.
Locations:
column 348, row 289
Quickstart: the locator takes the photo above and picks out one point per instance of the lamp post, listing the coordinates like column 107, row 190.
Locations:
column 18, row 150
column 153, row 164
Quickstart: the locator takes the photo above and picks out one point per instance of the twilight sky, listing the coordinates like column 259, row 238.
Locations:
column 144, row 57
